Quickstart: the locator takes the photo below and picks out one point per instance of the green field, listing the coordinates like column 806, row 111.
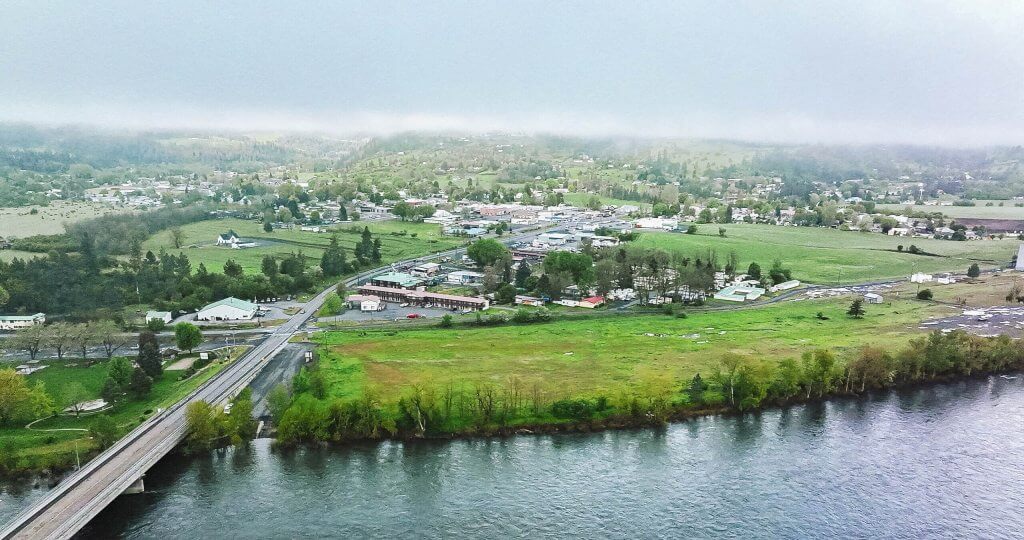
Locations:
column 581, row 199
column 818, row 255
column 7, row 255
column 200, row 241
column 20, row 222
column 34, row 449
column 641, row 355
column 980, row 211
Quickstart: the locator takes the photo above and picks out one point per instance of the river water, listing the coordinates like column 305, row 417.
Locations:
column 940, row 462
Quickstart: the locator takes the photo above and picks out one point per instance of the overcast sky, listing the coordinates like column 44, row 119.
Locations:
column 815, row 71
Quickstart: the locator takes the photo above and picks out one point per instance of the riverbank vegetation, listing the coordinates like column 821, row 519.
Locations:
column 619, row 372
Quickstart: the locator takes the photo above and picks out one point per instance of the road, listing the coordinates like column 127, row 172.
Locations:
column 70, row 505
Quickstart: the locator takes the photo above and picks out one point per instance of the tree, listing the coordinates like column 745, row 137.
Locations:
column 109, row 335
column 269, row 266
column 202, row 429
column 754, row 271
column 506, row 294
column 856, row 309
column 59, row 337
column 84, row 337
column 73, row 394
column 30, row 340
column 268, row 227
column 149, row 355
column 375, row 254
column 177, row 237
column 155, row 325
column 925, row 294
column 141, row 383
column 4, row 296
column 403, row 210
column 487, row 251
column 111, row 390
column 692, row 229
column 522, row 274
column 332, row 262
column 104, row 431
column 446, row 321
column 241, row 422
column 120, row 371
column 233, row 269
column 974, row 271
column 187, row 336
column 695, row 391
column 278, row 401
column 20, row 403
column 721, row 232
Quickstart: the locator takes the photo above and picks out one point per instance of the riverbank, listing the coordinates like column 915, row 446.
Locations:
column 837, row 468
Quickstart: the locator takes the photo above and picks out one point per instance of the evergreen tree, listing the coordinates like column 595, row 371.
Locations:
column 343, row 214
column 141, row 383
column 269, row 266
column 856, row 309
column 696, row 390
column 522, row 273
column 974, row 271
column 233, row 269
column 149, row 355
column 333, row 260
column 375, row 253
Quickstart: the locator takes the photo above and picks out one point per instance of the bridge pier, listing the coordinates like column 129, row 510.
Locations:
column 136, row 488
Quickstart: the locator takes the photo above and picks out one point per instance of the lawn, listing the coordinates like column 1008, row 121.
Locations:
column 35, row 448
column 21, row 222
column 641, row 354
column 818, row 255
column 581, row 200
column 200, row 241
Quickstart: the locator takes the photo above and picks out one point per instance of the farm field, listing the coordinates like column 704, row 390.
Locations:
column 1007, row 211
column 817, row 255
column 200, row 241
column 642, row 354
column 20, row 222
column 32, row 447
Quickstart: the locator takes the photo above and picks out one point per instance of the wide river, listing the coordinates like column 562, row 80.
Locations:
column 940, row 462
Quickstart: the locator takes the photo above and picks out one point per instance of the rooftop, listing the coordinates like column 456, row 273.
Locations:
column 401, row 278
column 232, row 302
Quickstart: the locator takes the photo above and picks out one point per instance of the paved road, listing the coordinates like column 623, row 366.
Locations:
column 78, row 498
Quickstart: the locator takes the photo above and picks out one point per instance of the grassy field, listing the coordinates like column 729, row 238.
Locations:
column 1007, row 211
column 818, row 255
column 604, row 356
column 200, row 241
column 987, row 290
column 36, row 448
column 7, row 255
column 581, row 199
column 21, row 222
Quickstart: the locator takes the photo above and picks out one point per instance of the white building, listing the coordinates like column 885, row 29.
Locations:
column 228, row 239
column 872, row 298
column 365, row 302
column 656, row 223
column 17, row 322
column 1020, row 259
column 425, row 269
column 164, row 316
column 228, row 309
column 921, row 277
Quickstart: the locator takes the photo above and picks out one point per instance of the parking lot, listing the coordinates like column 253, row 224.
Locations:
column 391, row 312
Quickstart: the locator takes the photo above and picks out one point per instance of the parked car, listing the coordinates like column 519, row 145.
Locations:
column 413, row 316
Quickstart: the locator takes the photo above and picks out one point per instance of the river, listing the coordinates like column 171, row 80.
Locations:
column 942, row 461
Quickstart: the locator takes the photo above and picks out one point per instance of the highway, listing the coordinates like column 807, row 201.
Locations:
column 71, row 504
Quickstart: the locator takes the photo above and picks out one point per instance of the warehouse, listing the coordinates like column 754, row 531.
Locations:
column 424, row 298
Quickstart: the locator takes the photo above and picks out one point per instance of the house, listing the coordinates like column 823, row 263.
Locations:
column 786, row 285
column 739, row 293
column 17, row 322
column 921, row 277
column 945, row 279
column 553, row 239
column 164, row 316
column 228, row 309
column 524, row 300
column 397, row 280
column 425, row 269
column 365, row 302
column 872, row 298
column 592, row 302
column 656, row 223
column 228, row 239
column 1020, row 259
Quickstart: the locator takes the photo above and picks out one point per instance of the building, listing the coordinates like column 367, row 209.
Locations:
column 228, row 309
column 873, row 298
column 365, row 302
column 464, row 277
column 164, row 316
column 425, row 270
column 739, row 293
column 524, row 300
column 228, row 239
column 424, row 298
column 1020, row 259
column 786, row 285
column 592, row 302
column 397, row 280
column 921, row 277
column 17, row 322
column 656, row 223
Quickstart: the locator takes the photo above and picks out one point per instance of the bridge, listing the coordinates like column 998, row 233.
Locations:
column 71, row 504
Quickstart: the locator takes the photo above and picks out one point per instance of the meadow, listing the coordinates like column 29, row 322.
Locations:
column 21, row 222
column 200, row 241
column 646, row 355
column 818, row 255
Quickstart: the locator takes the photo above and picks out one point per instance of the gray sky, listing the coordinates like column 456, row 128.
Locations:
column 815, row 71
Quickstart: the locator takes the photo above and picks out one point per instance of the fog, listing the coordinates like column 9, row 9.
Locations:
column 816, row 71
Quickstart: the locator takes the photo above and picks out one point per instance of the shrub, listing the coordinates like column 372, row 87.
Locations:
column 924, row 294
column 575, row 409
